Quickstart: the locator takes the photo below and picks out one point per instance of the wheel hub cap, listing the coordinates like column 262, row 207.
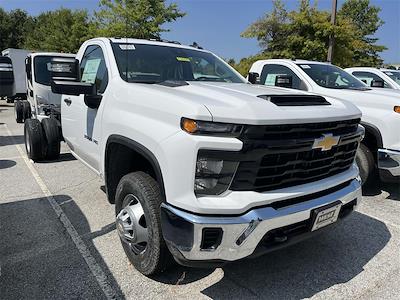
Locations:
column 131, row 224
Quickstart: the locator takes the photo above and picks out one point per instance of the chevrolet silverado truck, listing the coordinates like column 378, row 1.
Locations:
column 374, row 77
column 201, row 165
column 380, row 107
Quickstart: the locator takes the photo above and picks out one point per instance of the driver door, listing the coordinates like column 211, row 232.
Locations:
column 81, row 124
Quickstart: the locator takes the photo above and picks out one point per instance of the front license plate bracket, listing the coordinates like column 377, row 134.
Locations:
column 325, row 215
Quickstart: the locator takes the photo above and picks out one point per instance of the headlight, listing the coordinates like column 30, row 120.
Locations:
column 213, row 175
column 210, row 128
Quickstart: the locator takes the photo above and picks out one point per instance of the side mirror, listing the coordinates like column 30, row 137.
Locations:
column 377, row 83
column 364, row 80
column 64, row 68
column 253, row 77
column 73, row 88
column 285, row 81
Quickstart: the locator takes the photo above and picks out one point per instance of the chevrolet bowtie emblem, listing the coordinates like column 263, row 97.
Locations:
column 326, row 142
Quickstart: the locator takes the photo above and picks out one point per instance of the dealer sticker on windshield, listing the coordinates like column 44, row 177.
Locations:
column 305, row 66
column 127, row 46
column 187, row 59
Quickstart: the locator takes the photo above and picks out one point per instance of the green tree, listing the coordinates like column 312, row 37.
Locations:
column 15, row 26
column 304, row 34
column 134, row 18
column 366, row 18
column 62, row 30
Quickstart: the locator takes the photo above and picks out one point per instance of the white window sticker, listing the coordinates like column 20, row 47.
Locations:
column 270, row 80
column 389, row 73
column 127, row 46
column 90, row 71
column 305, row 66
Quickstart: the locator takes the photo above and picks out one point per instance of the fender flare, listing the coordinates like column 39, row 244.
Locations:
column 142, row 150
column 375, row 132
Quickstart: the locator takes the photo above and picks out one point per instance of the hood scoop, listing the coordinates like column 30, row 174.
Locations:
column 295, row 100
column 173, row 83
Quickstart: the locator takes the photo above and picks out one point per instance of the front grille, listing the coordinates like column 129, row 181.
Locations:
column 280, row 156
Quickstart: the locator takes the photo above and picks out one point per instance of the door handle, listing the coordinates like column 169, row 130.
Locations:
column 68, row 101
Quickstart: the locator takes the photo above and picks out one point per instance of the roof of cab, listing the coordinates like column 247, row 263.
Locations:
column 296, row 61
column 33, row 54
column 147, row 42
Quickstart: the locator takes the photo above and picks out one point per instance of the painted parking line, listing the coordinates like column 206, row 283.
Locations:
column 94, row 267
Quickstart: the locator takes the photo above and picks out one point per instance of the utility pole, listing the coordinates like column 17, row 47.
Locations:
column 332, row 38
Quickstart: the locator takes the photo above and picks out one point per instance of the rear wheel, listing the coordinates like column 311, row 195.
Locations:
column 52, row 137
column 365, row 162
column 18, row 111
column 34, row 139
column 138, row 201
column 26, row 109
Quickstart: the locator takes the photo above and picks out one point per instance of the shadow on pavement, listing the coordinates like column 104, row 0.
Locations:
column 374, row 187
column 11, row 140
column 38, row 258
column 63, row 157
column 6, row 163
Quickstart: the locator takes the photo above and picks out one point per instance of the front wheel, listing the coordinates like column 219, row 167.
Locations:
column 137, row 205
column 34, row 139
column 365, row 162
column 18, row 111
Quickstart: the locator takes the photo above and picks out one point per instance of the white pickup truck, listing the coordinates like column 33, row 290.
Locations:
column 380, row 107
column 199, row 163
column 374, row 77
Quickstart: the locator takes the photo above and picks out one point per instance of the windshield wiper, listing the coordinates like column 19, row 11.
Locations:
column 143, row 81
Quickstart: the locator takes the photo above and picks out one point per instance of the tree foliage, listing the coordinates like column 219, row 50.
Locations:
column 134, row 18
column 366, row 19
column 15, row 26
column 62, row 30
column 304, row 34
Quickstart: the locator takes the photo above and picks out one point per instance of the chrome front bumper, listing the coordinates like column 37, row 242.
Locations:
column 389, row 160
column 241, row 235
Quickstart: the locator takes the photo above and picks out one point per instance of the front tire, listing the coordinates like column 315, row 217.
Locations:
column 52, row 137
column 34, row 139
column 18, row 111
column 137, row 205
column 26, row 110
column 365, row 162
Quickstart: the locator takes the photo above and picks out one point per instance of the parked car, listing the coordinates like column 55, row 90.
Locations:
column 200, row 164
column 17, row 56
column 383, row 78
column 380, row 107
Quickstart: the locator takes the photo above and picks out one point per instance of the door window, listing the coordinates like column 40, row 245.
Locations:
column 270, row 71
column 93, row 68
column 367, row 77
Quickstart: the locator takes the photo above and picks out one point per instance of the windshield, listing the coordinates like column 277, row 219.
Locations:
column 331, row 77
column 394, row 75
column 145, row 63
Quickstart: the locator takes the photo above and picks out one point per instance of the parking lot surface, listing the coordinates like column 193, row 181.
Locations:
column 58, row 241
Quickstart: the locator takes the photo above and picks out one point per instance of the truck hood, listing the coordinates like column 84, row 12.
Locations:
column 374, row 97
column 240, row 103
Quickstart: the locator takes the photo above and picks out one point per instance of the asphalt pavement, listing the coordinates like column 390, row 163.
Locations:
column 58, row 241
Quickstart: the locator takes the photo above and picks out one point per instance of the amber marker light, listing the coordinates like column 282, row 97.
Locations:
column 397, row 109
column 190, row 126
